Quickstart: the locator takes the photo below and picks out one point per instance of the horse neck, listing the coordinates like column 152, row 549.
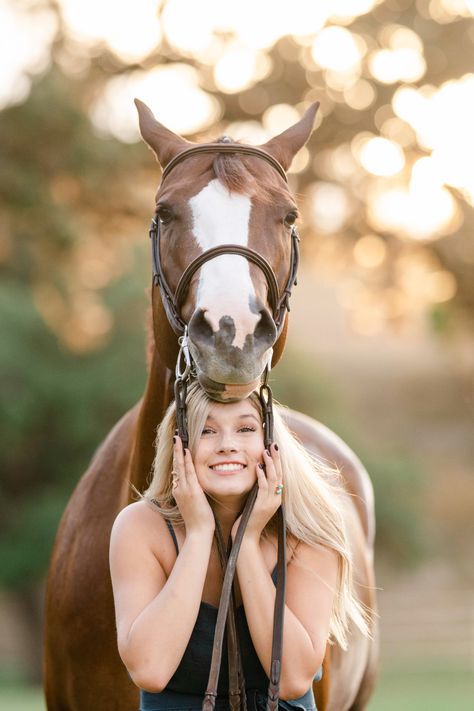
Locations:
column 157, row 397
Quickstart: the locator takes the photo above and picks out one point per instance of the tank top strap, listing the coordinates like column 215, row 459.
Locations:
column 173, row 535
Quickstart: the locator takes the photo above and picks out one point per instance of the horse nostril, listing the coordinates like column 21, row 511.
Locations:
column 265, row 330
column 200, row 330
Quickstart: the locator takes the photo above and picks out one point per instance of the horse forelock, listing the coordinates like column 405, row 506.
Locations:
column 247, row 175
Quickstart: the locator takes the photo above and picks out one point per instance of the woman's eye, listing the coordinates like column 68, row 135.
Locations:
column 290, row 219
column 207, row 430
column 165, row 215
column 247, row 429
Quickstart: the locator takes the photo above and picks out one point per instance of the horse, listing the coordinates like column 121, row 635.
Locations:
column 235, row 329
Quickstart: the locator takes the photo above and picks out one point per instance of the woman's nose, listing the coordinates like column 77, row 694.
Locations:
column 227, row 444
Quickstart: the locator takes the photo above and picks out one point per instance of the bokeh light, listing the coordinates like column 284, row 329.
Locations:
column 337, row 48
column 419, row 212
column 240, row 67
column 370, row 251
column 32, row 33
column 442, row 119
column 329, row 206
column 401, row 59
column 115, row 113
column 130, row 30
column 380, row 156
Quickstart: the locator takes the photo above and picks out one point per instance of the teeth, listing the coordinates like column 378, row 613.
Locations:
column 227, row 467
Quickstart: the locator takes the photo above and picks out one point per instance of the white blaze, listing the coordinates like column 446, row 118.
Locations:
column 225, row 286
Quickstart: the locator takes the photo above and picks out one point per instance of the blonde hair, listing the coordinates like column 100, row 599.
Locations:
column 314, row 498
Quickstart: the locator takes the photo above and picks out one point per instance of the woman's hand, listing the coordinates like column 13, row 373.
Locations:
column 187, row 491
column 267, row 503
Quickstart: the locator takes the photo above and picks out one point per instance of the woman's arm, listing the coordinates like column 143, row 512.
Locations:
column 155, row 616
column 311, row 582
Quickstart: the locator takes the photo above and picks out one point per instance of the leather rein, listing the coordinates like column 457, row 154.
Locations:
column 279, row 303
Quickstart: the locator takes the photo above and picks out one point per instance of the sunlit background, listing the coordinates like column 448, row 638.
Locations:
column 386, row 188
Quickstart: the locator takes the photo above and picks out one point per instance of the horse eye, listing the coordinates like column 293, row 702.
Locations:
column 290, row 219
column 165, row 215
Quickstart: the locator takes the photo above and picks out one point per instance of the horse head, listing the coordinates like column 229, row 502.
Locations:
column 229, row 300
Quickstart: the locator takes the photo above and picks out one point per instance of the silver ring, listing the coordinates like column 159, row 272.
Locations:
column 279, row 489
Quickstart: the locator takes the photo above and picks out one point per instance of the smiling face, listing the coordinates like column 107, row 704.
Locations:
column 229, row 449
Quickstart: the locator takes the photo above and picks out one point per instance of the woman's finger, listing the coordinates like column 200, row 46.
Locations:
column 270, row 467
column 261, row 478
column 276, row 462
column 190, row 472
column 178, row 470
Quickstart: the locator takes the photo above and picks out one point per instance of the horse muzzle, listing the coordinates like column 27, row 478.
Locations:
column 225, row 371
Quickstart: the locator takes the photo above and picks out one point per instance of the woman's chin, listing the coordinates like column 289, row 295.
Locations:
column 227, row 490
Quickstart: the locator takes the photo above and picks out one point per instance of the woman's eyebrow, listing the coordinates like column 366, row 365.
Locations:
column 212, row 418
column 249, row 414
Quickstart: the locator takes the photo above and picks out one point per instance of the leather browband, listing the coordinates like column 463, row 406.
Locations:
column 224, row 148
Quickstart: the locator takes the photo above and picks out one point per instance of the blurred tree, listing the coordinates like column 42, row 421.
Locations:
column 69, row 365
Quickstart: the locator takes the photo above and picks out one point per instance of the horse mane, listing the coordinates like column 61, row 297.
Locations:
column 236, row 173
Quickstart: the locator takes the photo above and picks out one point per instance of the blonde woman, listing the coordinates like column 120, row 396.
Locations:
column 166, row 572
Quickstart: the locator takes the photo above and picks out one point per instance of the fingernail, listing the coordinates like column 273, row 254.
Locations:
column 260, row 465
column 276, row 447
column 267, row 451
column 174, row 440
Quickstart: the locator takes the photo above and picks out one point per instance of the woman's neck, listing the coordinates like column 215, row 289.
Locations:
column 227, row 512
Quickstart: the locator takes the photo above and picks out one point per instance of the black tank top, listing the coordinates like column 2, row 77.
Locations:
column 192, row 674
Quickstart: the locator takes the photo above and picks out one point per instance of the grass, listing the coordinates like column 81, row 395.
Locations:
column 18, row 698
column 443, row 690
column 396, row 691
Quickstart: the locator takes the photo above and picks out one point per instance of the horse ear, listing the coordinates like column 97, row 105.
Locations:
column 286, row 145
column 163, row 142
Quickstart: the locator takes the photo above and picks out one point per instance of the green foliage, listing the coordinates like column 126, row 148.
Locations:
column 55, row 404
column 398, row 489
column 439, row 318
column 55, row 408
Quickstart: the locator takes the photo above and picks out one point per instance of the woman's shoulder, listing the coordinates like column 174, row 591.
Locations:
column 315, row 557
column 140, row 520
column 140, row 532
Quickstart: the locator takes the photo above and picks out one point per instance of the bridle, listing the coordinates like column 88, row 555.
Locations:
column 172, row 302
column 279, row 303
